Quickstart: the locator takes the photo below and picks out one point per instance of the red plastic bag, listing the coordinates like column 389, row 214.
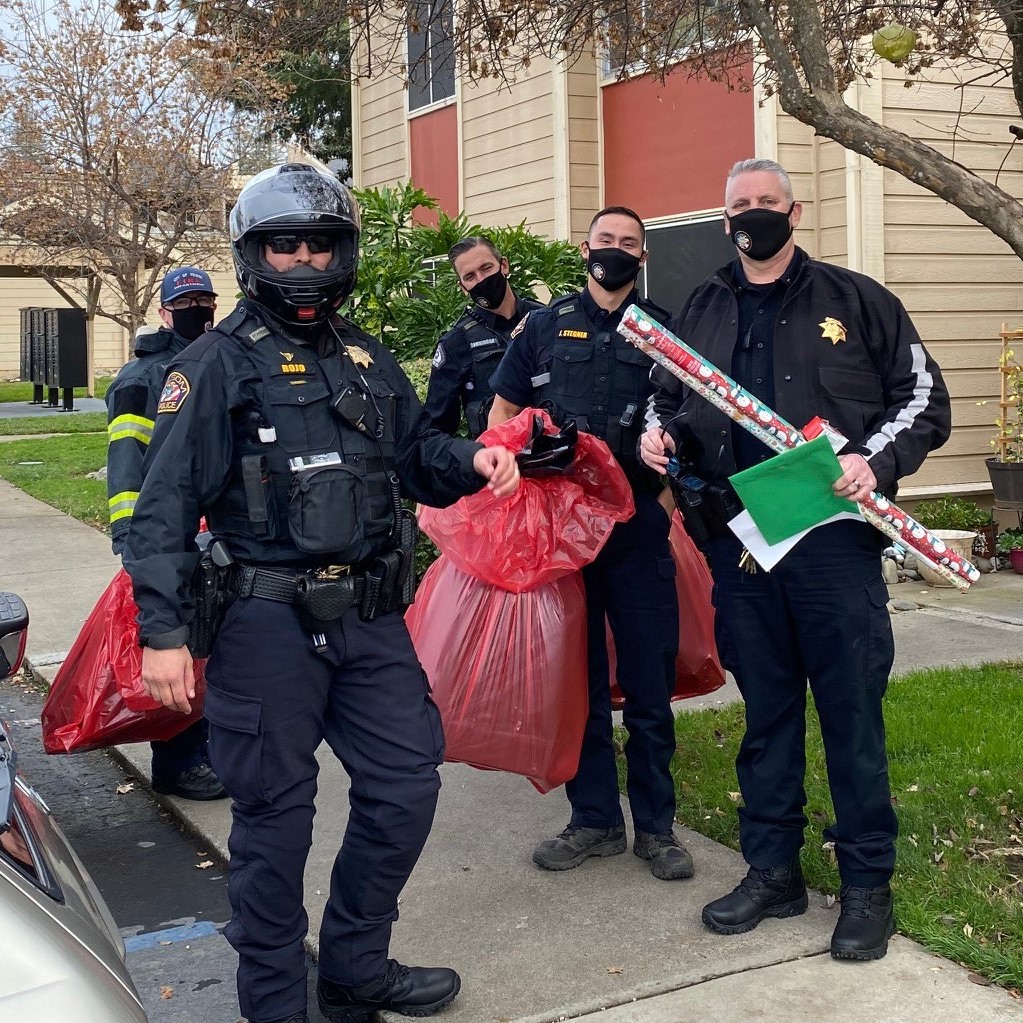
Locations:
column 697, row 668
column 97, row 698
column 508, row 671
column 549, row 528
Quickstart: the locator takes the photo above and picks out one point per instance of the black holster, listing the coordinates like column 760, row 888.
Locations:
column 211, row 596
column 391, row 578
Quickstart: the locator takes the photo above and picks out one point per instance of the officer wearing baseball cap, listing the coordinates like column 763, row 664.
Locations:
column 187, row 306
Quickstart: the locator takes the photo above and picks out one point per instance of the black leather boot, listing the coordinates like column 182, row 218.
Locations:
column 866, row 923
column 407, row 990
column 777, row 891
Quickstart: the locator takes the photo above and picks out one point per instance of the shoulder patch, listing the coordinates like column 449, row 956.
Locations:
column 439, row 357
column 520, row 326
column 175, row 391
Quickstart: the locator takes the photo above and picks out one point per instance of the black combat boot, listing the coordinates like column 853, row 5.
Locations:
column 406, row 990
column 866, row 923
column 576, row 844
column 669, row 859
column 777, row 891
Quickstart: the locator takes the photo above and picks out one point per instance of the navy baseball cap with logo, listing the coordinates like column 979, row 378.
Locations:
column 185, row 281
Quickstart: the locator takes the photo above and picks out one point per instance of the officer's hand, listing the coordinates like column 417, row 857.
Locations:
column 857, row 479
column 500, row 469
column 168, row 677
column 653, row 448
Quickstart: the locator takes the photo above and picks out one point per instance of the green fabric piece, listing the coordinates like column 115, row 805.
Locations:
column 792, row 491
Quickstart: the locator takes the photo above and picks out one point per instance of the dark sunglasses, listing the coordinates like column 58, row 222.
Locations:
column 287, row 244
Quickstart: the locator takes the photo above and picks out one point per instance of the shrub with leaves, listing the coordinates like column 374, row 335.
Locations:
column 951, row 513
column 407, row 293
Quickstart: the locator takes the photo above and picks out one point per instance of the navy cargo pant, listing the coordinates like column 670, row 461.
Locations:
column 818, row 617
column 632, row 582
column 271, row 700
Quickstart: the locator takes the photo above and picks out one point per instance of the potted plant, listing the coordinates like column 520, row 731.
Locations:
column 1006, row 467
column 1010, row 543
column 957, row 513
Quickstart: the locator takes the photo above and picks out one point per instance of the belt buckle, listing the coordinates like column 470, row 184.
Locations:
column 332, row 571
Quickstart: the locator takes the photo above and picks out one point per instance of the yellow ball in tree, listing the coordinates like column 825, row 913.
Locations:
column 894, row 42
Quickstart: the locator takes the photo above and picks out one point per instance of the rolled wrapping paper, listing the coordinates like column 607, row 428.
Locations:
column 778, row 434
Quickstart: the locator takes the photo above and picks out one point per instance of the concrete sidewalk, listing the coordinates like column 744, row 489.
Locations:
column 536, row 947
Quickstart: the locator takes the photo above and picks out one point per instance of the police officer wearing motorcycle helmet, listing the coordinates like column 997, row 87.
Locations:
column 296, row 435
column 468, row 354
column 571, row 359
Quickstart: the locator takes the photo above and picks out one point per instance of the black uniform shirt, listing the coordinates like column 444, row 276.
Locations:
column 191, row 461
column 452, row 382
column 533, row 348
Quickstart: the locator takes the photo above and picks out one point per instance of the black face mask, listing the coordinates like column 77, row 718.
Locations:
column 612, row 269
column 489, row 293
column 759, row 233
column 192, row 322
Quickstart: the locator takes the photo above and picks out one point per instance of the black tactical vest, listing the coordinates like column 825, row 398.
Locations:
column 302, row 477
column 486, row 346
column 597, row 378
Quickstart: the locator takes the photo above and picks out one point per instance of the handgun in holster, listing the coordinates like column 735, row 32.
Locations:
column 210, row 593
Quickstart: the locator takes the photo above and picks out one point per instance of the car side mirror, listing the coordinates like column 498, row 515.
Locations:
column 13, row 633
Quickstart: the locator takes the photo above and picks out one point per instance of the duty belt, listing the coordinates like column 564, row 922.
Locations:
column 283, row 586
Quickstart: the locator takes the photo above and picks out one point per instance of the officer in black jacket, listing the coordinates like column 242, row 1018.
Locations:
column 807, row 338
column 469, row 353
column 571, row 359
column 296, row 435
column 187, row 306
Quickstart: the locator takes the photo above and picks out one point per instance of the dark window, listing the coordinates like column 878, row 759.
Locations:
column 431, row 53
column 681, row 257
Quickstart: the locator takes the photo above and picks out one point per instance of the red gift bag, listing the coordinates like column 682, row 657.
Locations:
column 697, row 668
column 97, row 698
column 508, row 671
column 551, row 526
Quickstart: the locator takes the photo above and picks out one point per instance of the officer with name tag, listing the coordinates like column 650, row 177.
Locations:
column 570, row 359
column 297, row 436
column 468, row 354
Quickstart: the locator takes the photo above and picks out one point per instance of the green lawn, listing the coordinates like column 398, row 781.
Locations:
column 18, row 390
column 60, row 477
column 954, row 741
column 63, row 422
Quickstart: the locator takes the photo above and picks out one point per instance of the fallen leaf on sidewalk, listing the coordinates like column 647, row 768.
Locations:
column 166, row 992
column 205, row 865
column 126, row 786
column 976, row 978
column 616, row 969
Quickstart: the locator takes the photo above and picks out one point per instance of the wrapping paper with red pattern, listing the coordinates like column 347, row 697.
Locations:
column 549, row 528
column 508, row 671
column 97, row 698
column 738, row 404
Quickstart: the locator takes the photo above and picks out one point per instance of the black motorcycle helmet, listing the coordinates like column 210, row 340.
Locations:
column 295, row 198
